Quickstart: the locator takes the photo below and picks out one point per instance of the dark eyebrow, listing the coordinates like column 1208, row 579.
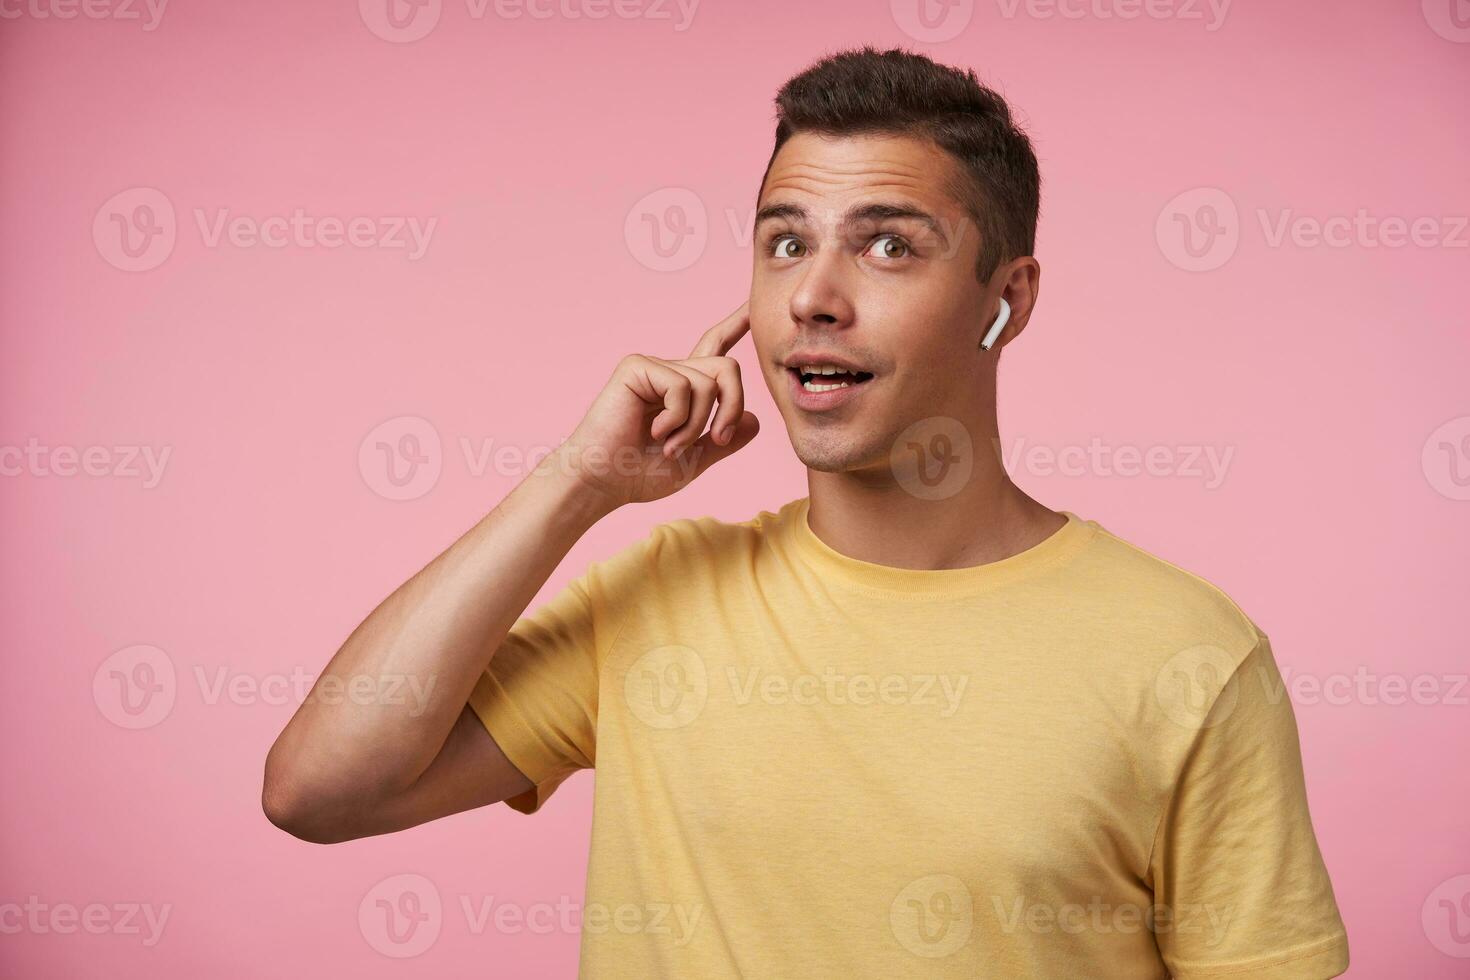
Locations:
column 860, row 214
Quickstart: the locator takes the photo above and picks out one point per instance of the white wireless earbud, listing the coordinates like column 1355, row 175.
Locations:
column 993, row 334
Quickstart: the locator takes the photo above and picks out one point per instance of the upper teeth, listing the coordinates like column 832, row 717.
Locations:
column 809, row 370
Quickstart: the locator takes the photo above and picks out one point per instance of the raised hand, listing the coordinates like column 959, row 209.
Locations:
column 644, row 435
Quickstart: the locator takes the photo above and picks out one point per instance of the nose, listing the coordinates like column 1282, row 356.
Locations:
column 821, row 298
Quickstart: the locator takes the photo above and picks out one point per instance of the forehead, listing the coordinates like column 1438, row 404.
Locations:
column 810, row 165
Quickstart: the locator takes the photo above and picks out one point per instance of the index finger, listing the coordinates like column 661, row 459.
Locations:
column 718, row 339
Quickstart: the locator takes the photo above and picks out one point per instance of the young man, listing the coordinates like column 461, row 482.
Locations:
column 913, row 724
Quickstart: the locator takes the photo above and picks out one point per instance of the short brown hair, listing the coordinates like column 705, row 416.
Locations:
column 900, row 93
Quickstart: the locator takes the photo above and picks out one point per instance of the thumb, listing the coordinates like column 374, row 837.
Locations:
column 707, row 452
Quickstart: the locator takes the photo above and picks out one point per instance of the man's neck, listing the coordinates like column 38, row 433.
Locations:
column 881, row 521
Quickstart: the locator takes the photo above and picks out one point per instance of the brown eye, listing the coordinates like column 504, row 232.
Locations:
column 779, row 248
column 892, row 247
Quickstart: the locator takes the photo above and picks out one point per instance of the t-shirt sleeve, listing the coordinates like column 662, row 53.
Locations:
column 1238, row 878
column 538, row 695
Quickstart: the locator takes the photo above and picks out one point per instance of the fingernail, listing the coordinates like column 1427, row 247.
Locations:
column 726, row 432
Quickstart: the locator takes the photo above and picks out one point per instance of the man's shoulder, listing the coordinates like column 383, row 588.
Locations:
column 1141, row 597
column 1152, row 594
column 674, row 550
column 714, row 539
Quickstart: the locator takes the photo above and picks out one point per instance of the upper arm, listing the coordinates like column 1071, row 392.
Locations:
column 531, row 717
column 1236, row 866
column 470, row 771
column 541, row 692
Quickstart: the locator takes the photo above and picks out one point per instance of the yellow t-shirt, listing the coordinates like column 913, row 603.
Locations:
column 1078, row 761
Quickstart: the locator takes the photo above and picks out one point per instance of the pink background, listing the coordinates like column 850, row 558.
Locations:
column 1334, row 375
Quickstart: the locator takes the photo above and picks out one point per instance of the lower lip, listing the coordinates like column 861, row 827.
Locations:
column 822, row 401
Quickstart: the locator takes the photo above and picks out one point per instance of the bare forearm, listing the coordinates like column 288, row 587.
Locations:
column 416, row 657
column 349, row 765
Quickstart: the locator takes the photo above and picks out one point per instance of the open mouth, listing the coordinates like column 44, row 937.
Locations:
column 828, row 377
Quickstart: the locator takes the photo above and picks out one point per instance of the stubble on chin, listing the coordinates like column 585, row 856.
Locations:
column 829, row 452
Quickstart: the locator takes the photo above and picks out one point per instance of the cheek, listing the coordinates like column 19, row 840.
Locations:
column 770, row 322
column 761, row 341
column 764, row 344
column 932, row 367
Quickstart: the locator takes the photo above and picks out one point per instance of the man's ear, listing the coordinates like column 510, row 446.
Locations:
column 1019, row 281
